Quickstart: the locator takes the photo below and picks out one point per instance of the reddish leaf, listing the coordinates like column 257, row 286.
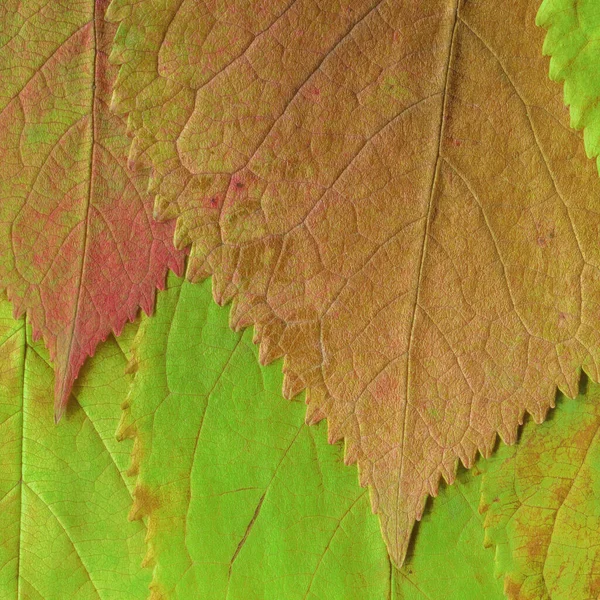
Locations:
column 80, row 251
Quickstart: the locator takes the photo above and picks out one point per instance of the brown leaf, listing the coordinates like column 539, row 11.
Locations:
column 390, row 192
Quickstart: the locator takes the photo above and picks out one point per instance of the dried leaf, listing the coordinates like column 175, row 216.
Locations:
column 540, row 499
column 390, row 192
column 250, row 503
column 79, row 249
column 64, row 498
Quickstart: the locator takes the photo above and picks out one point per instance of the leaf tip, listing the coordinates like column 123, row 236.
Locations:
column 62, row 392
column 59, row 411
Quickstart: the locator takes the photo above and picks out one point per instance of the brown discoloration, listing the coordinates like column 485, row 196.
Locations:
column 511, row 588
column 540, row 506
column 144, row 502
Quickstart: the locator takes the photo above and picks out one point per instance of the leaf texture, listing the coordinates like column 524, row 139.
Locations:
column 573, row 44
column 251, row 503
column 79, row 249
column 390, row 192
column 64, row 498
column 541, row 505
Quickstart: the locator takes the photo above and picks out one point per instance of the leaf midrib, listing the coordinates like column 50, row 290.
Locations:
column 432, row 190
column 59, row 410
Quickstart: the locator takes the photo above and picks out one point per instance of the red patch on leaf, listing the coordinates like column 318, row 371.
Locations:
column 81, row 249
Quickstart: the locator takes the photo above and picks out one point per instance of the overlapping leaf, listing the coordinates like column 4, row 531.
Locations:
column 252, row 503
column 391, row 193
column 540, row 496
column 541, row 503
column 79, row 250
column 64, row 499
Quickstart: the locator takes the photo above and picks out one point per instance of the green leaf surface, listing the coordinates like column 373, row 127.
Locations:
column 247, row 502
column 573, row 42
column 64, row 498
column 541, row 503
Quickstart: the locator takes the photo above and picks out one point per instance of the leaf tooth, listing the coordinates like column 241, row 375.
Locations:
column 269, row 351
column 136, row 453
column 447, row 471
column 18, row 306
column 334, row 433
column 147, row 305
column 163, row 209
column 129, row 123
column 240, row 316
column 155, row 181
column 420, row 507
column 572, row 387
column 540, row 412
column 488, row 541
column 196, row 269
column 315, row 414
column 149, row 559
column 227, row 290
column 181, row 237
column 156, row 594
column 430, row 487
column 66, row 370
column 124, row 430
column 351, row 452
column 257, row 336
column 509, row 432
column 144, row 503
column 364, row 480
column 116, row 99
column 59, row 411
column 467, row 453
column 116, row 106
column 489, row 443
column 293, row 384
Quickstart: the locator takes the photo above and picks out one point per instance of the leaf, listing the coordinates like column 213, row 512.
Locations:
column 390, row 192
column 572, row 42
column 541, row 516
column 252, row 503
column 447, row 560
column 541, row 505
column 79, row 249
column 64, row 498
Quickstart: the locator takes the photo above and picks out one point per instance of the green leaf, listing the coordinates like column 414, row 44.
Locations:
column 573, row 42
column 64, row 497
column 246, row 501
column 541, row 503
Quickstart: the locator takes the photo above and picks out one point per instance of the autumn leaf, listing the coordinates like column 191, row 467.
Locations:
column 572, row 42
column 250, row 502
column 79, row 249
column 539, row 496
column 64, row 498
column 390, row 192
column 541, row 507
